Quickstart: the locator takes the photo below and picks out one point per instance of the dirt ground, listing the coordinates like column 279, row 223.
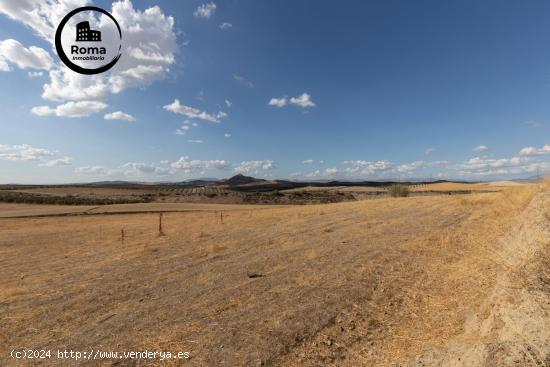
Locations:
column 41, row 210
column 419, row 281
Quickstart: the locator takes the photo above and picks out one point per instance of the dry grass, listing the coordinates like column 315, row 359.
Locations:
column 465, row 186
column 352, row 284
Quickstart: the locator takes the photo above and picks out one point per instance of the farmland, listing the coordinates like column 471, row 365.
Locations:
column 425, row 280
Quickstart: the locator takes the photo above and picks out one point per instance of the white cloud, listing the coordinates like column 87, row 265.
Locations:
column 205, row 10
column 189, row 166
column 195, row 141
column 253, row 166
column 480, row 148
column 13, row 52
column 148, row 50
column 194, row 113
column 367, row 168
column 228, row 103
column 331, row 171
column 418, row 165
column 70, row 109
column 24, row 152
column 308, row 161
column 39, row 15
column 527, row 151
column 278, row 102
column 65, row 161
column 140, row 169
column 35, row 74
column 501, row 167
column 182, row 130
column 243, row 81
column 429, row 151
column 4, row 65
column 227, row 135
column 225, row 25
column 91, row 170
column 303, row 101
column 119, row 115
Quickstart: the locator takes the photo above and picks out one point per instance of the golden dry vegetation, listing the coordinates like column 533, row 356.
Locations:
column 421, row 281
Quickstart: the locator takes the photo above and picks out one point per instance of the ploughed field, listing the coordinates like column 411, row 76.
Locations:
column 421, row 281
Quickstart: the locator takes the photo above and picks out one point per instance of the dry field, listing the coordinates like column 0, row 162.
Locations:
column 421, row 281
column 41, row 210
column 465, row 186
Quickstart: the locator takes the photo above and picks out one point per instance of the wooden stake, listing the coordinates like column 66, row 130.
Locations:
column 160, row 225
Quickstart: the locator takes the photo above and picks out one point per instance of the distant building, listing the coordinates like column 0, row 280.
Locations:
column 84, row 33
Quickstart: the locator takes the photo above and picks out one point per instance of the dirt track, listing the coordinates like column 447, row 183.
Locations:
column 376, row 283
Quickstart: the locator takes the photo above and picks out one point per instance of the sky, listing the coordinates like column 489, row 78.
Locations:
column 289, row 89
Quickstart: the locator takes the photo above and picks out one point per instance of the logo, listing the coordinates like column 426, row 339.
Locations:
column 83, row 49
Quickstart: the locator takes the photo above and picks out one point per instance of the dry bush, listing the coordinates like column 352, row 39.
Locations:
column 398, row 191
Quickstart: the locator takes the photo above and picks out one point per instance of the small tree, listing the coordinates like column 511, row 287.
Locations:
column 398, row 191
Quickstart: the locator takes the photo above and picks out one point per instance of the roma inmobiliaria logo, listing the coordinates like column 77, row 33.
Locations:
column 89, row 40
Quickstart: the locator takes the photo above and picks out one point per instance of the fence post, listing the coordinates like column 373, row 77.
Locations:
column 160, row 225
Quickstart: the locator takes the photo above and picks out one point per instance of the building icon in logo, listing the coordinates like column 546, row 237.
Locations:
column 84, row 33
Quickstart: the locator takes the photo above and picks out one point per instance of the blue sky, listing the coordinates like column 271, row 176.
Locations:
column 283, row 89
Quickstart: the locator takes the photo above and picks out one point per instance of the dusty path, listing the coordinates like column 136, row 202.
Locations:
column 512, row 326
column 375, row 283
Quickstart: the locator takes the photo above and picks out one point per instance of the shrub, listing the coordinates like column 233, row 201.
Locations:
column 398, row 191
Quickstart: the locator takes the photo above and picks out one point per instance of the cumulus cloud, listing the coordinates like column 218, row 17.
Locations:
column 65, row 161
column 331, row 171
column 195, row 141
column 13, row 52
column 119, row 115
column 91, row 170
column 225, row 25
column 26, row 152
column 527, row 151
column 246, row 167
column 190, row 166
column 140, row 169
column 194, row 113
column 70, row 109
column 429, row 151
column 303, row 101
column 418, row 165
column 39, row 15
column 502, row 166
column 372, row 169
column 367, row 168
column 227, row 135
column 149, row 46
column 205, row 11
column 228, row 103
column 278, row 102
column 480, row 148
